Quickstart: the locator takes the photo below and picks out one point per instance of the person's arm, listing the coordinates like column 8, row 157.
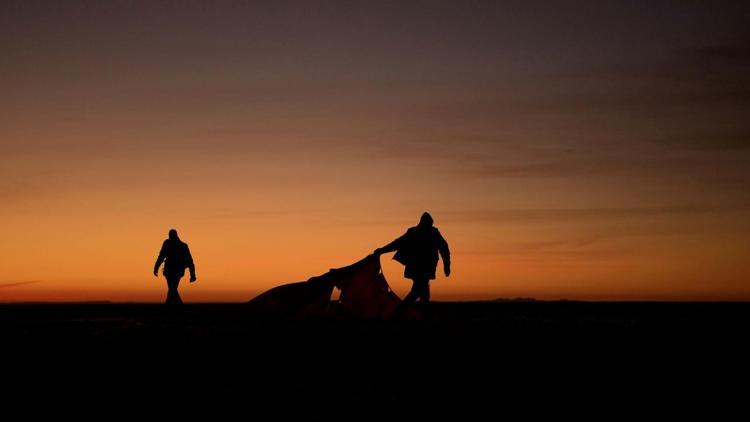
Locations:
column 445, row 254
column 391, row 246
column 190, row 264
column 160, row 259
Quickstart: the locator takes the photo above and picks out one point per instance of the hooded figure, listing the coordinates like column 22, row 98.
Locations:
column 418, row 250
column 176, row 257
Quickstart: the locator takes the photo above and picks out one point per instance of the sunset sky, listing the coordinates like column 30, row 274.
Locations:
column 580, row 149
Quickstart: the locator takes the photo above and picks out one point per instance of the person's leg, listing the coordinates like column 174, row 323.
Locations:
column 173, row 296
column 170, row 291
column 424, row 295
column 426, row 292
column 413, row 295
column 408, row 300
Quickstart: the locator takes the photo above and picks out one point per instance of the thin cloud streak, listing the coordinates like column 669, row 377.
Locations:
column 563, row 215
column 16, row 284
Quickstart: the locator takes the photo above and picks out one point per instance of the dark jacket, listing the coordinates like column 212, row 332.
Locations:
column 418, row 250
column 176, row 257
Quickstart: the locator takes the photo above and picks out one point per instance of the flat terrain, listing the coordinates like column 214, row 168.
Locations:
column 470, row 360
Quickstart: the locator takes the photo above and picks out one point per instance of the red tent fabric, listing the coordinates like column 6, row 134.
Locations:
column 365, row 293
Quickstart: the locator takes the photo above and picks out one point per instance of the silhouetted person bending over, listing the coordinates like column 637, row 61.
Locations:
column 176, row 257
column 418, row 250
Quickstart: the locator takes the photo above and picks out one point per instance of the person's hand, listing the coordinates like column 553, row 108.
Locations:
column 192, row 278
column 447, row 270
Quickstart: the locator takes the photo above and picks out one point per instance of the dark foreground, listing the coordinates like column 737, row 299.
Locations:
column 472, row 361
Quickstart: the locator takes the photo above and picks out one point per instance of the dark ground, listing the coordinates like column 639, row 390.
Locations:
column 471, row 361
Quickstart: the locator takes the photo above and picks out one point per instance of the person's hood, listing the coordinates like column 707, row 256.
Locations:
column 426, row 220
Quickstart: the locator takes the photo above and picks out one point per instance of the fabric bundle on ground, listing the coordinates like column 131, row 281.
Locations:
column 364, row 294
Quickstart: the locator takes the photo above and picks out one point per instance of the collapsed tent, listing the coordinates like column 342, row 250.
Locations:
column 364, row 294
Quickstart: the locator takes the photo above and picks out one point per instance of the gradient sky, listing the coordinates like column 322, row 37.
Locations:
column 581, row 150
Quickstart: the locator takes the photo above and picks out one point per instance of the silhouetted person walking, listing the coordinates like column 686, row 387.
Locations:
column 418, row 250
column 176, row 257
